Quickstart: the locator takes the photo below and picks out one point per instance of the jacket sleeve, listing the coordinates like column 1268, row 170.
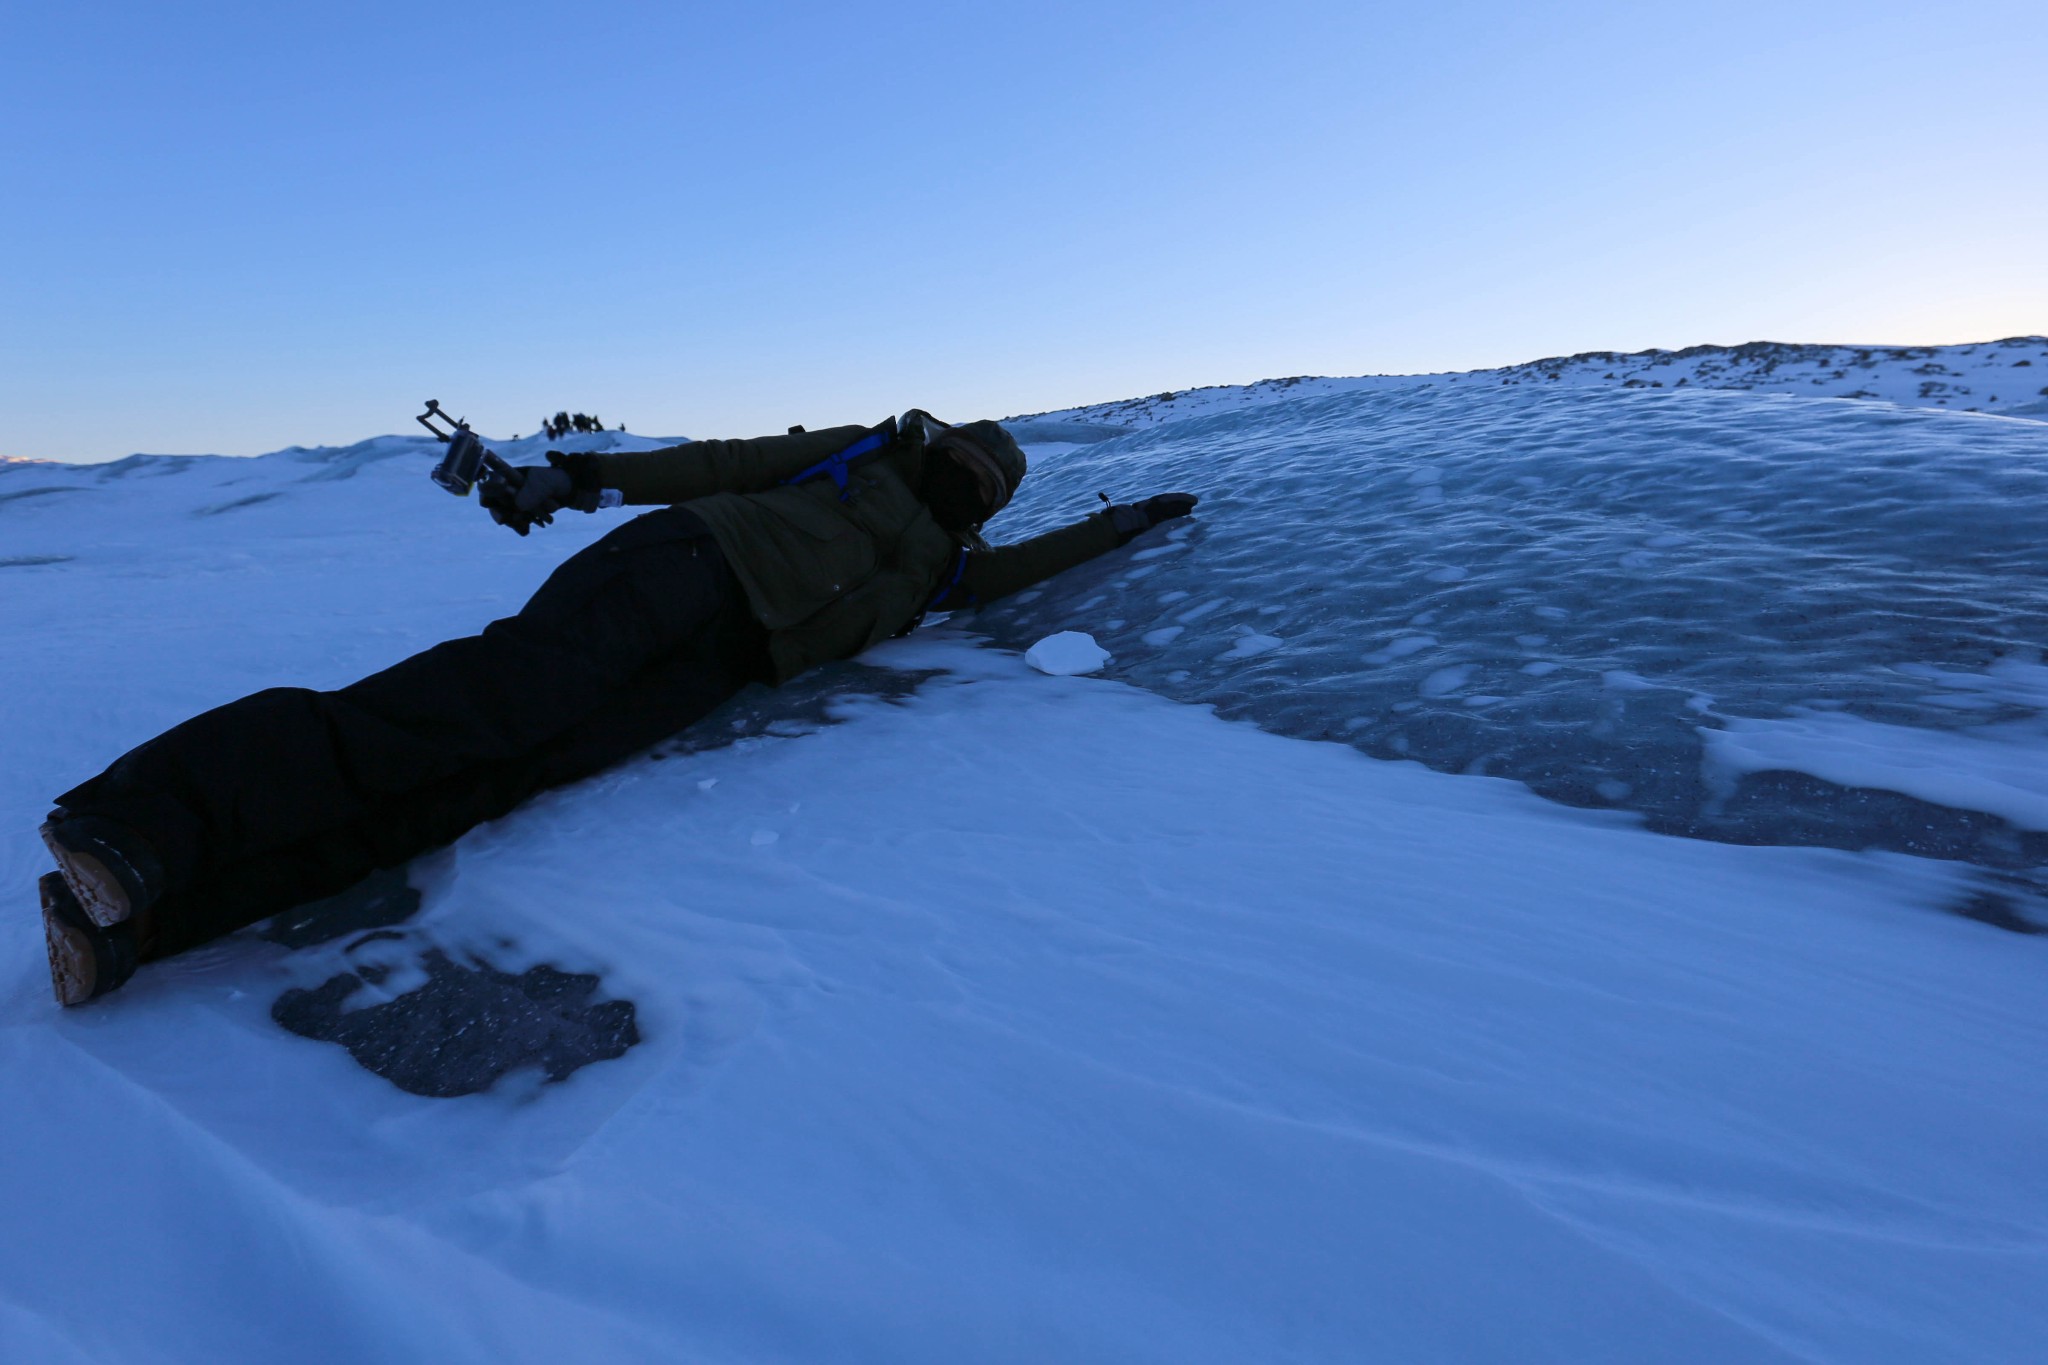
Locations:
column 986, row 575
column 701, row 468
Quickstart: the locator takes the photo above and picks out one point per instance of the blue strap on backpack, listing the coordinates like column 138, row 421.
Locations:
column 839, row 467
column 959, row 572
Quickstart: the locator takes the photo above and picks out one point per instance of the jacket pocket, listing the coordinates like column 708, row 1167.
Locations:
column 821, row 520
column 810, row 555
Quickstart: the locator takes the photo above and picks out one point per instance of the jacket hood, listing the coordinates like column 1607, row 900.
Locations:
column 985, row 446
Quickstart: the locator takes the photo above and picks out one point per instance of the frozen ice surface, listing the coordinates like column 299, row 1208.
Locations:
column 1597, row 560
column 1995, row 769
column 1067, row 654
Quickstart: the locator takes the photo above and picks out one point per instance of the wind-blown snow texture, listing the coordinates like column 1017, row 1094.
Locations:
column 1577, row 588
column 1026, row 1017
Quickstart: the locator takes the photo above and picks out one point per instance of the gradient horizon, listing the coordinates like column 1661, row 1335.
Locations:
column 233, row 228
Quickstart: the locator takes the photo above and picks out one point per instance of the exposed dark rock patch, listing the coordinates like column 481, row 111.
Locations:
column 469, row 1025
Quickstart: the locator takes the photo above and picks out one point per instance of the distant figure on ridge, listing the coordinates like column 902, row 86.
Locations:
column 766, row 557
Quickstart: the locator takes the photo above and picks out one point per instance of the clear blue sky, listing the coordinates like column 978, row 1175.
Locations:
column 232, row 227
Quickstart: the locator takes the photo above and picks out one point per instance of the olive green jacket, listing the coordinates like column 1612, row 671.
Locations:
column 830, row 577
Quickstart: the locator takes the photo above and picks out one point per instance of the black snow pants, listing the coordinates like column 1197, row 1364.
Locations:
column 289, row 795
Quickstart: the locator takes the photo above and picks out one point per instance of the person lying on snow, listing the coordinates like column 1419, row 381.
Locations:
column 770, row 556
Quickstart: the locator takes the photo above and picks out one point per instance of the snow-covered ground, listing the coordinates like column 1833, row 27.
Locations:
column 2007, row 376
column 992, row 1015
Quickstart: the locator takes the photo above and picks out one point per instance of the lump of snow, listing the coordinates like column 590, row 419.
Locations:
column 1401, row 648
column 1068, row 653
column 1445, row 681
column 1249, row 645
column 1621, row 680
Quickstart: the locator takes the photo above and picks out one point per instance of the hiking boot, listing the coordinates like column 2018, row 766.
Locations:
column 112, row 870
column 85, row 959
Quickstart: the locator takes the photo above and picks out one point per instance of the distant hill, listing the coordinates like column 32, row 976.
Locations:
column 2009, row 376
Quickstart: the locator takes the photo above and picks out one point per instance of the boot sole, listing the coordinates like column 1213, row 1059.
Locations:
column 98, row 890
column 74, row 968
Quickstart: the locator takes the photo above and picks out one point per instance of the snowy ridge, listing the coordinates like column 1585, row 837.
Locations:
column 2008, row 376
column 339, row 462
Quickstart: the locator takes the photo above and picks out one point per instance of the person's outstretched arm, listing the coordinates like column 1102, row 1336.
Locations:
column 701, row 468
column 982, row 576
column 585, row 481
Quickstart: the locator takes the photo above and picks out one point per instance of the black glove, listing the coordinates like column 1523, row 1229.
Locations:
column 1132, row 519
column 529, row 495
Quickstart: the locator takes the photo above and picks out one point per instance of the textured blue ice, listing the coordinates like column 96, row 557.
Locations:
column 1564, row 588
